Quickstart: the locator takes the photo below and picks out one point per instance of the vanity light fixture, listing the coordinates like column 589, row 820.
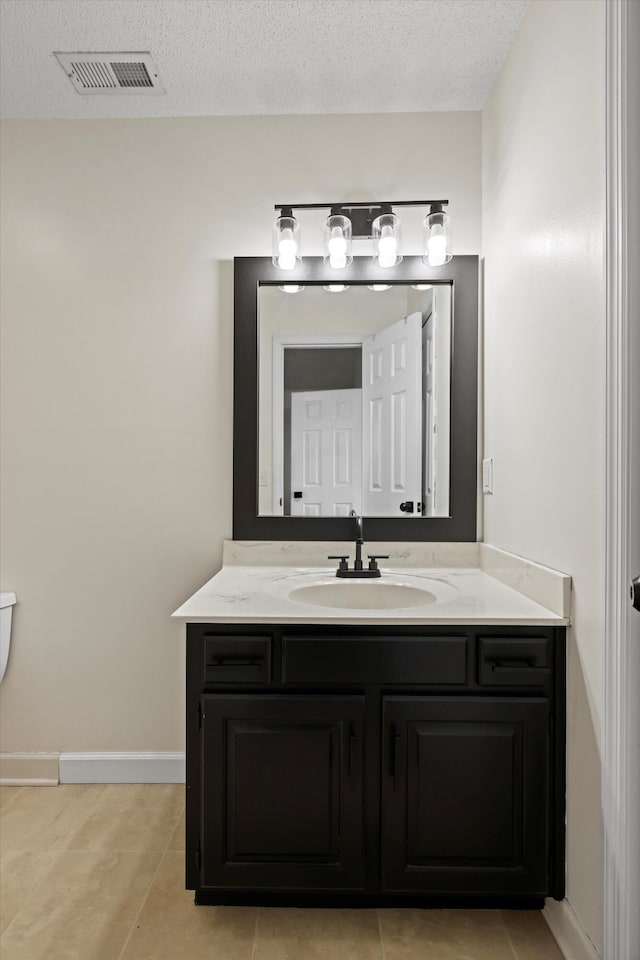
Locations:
column 379, row 287
column 436, row 234
column 291, row 287
column 386, row 238
column 336, row 287
column 421, row 286
column 286, row 240
column 337, row 240
column 376, row 222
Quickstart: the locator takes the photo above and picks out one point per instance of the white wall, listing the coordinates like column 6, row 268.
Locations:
column 116, row 380
column 544, row 357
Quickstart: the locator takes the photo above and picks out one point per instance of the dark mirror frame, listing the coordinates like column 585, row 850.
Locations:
column 252, row 272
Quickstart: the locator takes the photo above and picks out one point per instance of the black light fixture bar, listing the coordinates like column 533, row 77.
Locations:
column 361, row 213
column 363, row 220
column 360, row 205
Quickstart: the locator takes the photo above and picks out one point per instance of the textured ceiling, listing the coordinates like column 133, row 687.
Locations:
column 243, row 57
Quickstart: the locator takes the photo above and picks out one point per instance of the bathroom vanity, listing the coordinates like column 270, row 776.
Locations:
column 388, row 741
column 353, row 756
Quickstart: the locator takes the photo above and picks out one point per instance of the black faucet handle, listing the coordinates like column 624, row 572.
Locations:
column 343, row 565
column 373, row 557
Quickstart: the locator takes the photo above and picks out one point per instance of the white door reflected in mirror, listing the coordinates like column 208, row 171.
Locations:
column 354, row 401
column 326, row 453
column 392, row 418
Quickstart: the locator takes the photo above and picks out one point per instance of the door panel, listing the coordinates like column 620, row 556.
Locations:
column 392, row 417
column 326, row 453
column 465, row 795
column 282, row 794
column 294, row 823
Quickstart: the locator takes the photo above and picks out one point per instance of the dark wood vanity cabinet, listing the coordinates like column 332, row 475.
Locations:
column 367, row 765
column 282, row 791
column 464, row 794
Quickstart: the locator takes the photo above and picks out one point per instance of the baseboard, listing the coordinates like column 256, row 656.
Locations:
column 568, row 932
column 122, row 768
column 29, row 769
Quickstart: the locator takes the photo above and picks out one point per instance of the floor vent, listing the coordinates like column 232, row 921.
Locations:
column 111, row 73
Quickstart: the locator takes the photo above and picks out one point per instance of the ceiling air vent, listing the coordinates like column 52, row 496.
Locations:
column 111, row 73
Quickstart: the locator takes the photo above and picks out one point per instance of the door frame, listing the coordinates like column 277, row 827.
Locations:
column 280, row 343
column 621, row 827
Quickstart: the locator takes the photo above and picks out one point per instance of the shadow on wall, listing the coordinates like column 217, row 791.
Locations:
column 584, row 772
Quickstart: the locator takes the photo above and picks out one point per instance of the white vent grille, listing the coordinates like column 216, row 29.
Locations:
column 111, row 73
column 92, row 76
column 132, row 74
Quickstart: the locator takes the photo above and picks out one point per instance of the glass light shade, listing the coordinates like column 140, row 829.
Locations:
column 386, row 240
column 337, row 242
column 286, row 243
column 379, row 287
column 336, row 287
column 436, row 239
column 291, row 287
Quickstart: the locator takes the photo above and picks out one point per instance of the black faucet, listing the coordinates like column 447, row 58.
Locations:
column 357, row 565
column 358, row 569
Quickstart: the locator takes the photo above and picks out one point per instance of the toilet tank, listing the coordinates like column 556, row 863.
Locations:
column 7, row 601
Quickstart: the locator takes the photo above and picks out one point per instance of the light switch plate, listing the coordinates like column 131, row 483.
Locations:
column 487, row 475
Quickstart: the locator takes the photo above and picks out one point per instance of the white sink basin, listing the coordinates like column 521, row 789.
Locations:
column 390, row 592
column 363, row 595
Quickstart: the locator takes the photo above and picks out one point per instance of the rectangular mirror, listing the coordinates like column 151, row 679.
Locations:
column 358, row 399
column 354, row 400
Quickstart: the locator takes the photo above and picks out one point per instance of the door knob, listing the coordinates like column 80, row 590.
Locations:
column 635, row 593
column 407, row 506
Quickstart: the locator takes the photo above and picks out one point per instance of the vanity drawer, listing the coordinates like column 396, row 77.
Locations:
column 513, row 661
column 424, row 660
column 232, row 659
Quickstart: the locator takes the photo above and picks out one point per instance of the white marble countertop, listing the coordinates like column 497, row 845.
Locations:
column 242, row 593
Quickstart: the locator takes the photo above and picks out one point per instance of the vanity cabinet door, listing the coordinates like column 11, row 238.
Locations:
column 465, row 795
column 282, row 792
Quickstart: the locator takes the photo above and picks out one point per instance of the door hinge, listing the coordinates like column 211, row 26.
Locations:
column 198, row 858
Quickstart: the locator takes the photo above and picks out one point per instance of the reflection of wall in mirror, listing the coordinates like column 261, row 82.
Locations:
column 436, row 420
column 357, row 310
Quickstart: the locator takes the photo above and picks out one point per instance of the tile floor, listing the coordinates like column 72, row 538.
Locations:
column 96, row 873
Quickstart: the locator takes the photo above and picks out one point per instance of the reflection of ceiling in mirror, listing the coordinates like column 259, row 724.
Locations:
column 356, row 310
